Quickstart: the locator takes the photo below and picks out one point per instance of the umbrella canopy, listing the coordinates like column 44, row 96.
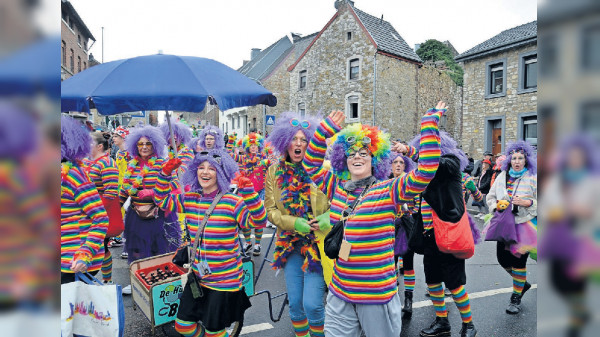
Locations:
column 31, row 69
column 160, row 82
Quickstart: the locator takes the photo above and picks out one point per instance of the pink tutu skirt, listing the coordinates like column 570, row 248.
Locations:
column 526, row 238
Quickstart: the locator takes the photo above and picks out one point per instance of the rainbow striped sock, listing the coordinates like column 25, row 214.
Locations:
column 409, row 280
column 301, row 327
column 461, row 298
column 222, row 333
column 436, row 294
column 189, row 329
column 400, row 263
column 258, row 233
column 107, row 266
column 519, row 277
column 317, row 330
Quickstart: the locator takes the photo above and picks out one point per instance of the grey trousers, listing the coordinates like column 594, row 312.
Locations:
column 343, row 319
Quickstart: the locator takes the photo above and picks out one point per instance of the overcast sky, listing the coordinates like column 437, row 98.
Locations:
column 226, row 30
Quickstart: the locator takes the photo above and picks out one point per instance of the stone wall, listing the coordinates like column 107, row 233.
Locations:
column 476, row 107
column 326, row 63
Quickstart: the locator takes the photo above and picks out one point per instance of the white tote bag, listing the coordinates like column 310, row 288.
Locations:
column 91, row 309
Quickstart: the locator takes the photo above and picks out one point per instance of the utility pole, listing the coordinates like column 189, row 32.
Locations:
column 102, row 44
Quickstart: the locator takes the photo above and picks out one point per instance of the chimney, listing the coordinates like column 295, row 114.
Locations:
column 254, row 52
column 338, row 3
column 417, row 46
column 296, row 37
column 245, row 62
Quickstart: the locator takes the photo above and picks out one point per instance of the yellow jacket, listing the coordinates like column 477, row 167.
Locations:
column 280, row 217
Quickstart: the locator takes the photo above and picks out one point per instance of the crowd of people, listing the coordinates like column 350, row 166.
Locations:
column 158, row 187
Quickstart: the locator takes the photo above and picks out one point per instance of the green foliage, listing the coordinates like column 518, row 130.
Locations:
column 434, row 50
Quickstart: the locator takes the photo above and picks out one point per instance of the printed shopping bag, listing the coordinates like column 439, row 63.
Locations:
column 91, row 309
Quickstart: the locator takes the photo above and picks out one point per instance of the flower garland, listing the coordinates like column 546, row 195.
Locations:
column 294, row 183
column 288, row 241
column 172, row 153
column 133, row 185
column 251, row 162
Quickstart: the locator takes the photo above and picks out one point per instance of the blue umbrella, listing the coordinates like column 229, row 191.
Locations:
column 32, row 69
column 160, row 82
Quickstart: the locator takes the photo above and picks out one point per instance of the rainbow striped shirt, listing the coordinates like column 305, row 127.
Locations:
column 104, row 174
column 369, row 276
column 83, row 221
column 220, row 247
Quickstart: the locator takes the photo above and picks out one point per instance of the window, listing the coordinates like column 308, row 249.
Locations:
column 238, row 122
column 548, row 48
column 302, row 109
column 590, row 119
column 497, row 77
column 302, row 82
column 527, row 72
column 527, row 127
column 79, row 39
column 495, row 84
column 253, row 122
column 354, row 69
column 84, row 65
column 78, row 64
column 72, row 61
column 590, row 46
column 64, row 53
column 353, row 108
column 348, row 36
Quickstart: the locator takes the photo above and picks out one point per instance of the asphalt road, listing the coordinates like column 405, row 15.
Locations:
column 488, row 284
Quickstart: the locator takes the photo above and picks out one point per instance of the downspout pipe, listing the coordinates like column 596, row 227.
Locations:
column 374, row 86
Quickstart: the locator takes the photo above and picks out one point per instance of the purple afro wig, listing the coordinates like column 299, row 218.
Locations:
column 154, row 136
column 181, row 132
column 448, row 146
column 585, row 144
column 192, row 143
column 75, row 140
column 283, row 131
column 409, row 165
column 528, row 151
column 379, row 147
column 221, row 160
column 18, row 134
column 214, row 131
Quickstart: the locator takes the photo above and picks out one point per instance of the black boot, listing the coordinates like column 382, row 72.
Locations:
column 407, row 309
column 468, row 330
column 526, row 287
column 515, row 304
column 439, row 327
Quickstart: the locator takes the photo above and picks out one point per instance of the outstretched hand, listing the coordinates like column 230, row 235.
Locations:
column 242, row 181
column 171, row 166
column 399, row 147
column 338, row 117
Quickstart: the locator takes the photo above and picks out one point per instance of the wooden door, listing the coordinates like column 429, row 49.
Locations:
column 496, row 140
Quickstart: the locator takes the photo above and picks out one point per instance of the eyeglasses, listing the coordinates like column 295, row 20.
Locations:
column 296, row 122
column 352, row 140
column 216, row 157
column 211, row 132
column 142, row 144
column 302, row 140
column 361, row 154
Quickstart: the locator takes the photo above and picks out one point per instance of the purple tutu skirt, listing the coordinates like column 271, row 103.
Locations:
column 151, row 237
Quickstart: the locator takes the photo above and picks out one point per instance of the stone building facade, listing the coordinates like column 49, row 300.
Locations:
column 75, row 42
column 500, row 91
column 360, row 64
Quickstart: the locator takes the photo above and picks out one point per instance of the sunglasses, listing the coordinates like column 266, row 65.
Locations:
column 142, row 144
column 216, row 157
column 361, row 154
column 296, row 122
column 352, row 140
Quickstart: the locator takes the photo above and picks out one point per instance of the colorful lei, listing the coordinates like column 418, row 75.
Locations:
column 294, row 183
column 132, row 185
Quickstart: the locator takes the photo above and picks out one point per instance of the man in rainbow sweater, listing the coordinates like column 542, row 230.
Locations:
column 363, row 292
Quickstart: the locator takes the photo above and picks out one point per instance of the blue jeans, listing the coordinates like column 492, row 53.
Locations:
column 305, row 291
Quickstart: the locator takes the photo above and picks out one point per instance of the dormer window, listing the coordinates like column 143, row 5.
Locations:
column 348, row 36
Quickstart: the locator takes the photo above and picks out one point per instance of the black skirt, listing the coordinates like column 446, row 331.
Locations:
column 217, row 310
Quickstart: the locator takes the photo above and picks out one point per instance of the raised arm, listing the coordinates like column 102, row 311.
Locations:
column 315, row 153
column 163, row 197
column 469, row 184
column 404, row 188
column 250, row 211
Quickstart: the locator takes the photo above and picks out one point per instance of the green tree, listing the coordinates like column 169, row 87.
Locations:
column 434, row 50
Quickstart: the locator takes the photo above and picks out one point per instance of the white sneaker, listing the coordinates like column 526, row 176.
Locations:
column 270, row 225
column 127, row 290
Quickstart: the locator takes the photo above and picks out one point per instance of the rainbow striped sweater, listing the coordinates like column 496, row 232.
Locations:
column 368, row 276
column 220, row 247
column 104, row 174
column 140, row 175
column 83, row 220
column 253, row 166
